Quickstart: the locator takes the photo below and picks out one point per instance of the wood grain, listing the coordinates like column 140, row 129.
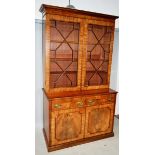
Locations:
column 79, row 113
column 63, row 10
column 76, row 142
column 99, row 120
column 67, row 125
column 46, row 116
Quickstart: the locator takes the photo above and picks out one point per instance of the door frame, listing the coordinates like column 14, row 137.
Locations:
column 84, row 57
column 50, row 17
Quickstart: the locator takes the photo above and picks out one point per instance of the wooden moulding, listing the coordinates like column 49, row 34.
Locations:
column 74, row 143
column 54, row 9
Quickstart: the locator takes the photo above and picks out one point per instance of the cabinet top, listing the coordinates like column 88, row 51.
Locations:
column 80, row 93
column 44, row 7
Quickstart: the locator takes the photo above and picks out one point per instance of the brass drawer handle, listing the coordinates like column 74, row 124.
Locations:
column 79, row 104
column 57, row 105
column 91, row 102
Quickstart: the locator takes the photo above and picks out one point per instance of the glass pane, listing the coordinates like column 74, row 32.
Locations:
column 98, row 48
column 64, row 54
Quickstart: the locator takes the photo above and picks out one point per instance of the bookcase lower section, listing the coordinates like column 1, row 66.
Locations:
column 74, row 143
column 78, row 119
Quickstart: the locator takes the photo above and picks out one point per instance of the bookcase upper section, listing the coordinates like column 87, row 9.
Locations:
column 77, row 49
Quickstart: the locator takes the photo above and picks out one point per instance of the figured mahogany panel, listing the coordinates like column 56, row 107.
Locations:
column 67, row 125
column 99, row 120
column 64, row 54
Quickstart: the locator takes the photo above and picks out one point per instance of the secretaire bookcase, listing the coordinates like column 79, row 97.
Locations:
column 78, row 105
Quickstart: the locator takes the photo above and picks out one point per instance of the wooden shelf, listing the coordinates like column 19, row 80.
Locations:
column 64, row 59
column 75, row 59
column 72, row 42
column 97, row 60
column 95, row 71
column 66, row 72
column 73, row 72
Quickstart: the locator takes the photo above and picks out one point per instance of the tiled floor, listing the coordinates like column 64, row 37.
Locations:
column 107, row 146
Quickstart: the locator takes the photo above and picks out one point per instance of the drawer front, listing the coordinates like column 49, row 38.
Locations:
column 77, row 102
column 62, row 103
column 92, row 100
column 67, row 103
column 100, row 99
column 108, row 98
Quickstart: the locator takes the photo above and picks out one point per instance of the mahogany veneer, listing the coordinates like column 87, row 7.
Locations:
column 78, row 106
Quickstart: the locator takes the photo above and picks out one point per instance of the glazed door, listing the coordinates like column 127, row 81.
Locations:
column 67, row 125
column 65, row 53
column 99, row 120
column 98, row 55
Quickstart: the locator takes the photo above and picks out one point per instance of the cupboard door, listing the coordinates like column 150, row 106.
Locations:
column 98, row 56
column 65, row 50
column 99, row 120
column 67, row 125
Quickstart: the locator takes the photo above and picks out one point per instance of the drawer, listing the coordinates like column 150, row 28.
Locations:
column 108, row 98
column 100, row 99
column 67, row 103
column 77, row 102
column 61, row 103
column 92, row 100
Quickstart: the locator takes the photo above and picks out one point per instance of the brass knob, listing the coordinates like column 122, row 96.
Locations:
column 91, row 102
column 79, row 104
column 57, row 105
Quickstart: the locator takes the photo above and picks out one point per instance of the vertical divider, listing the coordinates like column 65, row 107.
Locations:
column 84, row 56
column 80, row 55
column 47, row 53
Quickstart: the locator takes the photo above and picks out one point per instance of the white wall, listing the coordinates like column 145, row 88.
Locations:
column 101, row 6
column 108, row 6
column 38, row 75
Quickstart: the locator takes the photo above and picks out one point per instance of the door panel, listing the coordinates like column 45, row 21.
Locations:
column 67, row 125
column 65, row 53
column 99, row 120
column 98, row 56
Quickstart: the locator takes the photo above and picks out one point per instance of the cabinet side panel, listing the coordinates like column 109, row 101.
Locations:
column 43, row 49
column 46, row 51
column 46, row 115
